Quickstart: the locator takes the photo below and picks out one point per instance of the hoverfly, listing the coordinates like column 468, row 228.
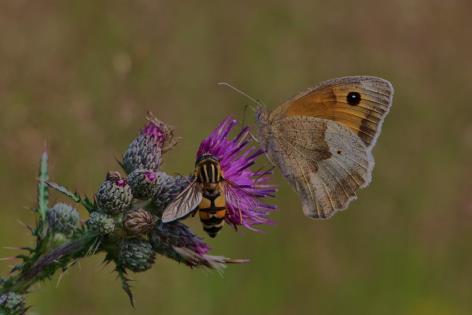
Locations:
column 207, row 193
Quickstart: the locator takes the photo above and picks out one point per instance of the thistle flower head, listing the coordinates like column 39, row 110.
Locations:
column 63, row 218
column 138, row 222
column 245, row 188
column 114, row 194
column 136, row 255
column 166, row 236
column 101, row 223
column 156, row 131
column 176, row 241
column 143, row 183
column 145, row 151
column 12, row 303
column 168, row 187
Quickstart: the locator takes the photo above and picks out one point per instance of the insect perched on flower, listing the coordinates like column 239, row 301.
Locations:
column 322, row 139
column 223, row 187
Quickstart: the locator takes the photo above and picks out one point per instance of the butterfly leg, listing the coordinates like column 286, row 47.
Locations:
column 253, row 137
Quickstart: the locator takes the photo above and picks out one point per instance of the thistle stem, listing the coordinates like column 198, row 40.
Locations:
column 38, row 268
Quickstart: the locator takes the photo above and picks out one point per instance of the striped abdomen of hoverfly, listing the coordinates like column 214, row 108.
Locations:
column 212, row 208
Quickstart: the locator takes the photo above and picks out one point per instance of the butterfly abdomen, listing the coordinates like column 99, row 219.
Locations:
column 212, row 211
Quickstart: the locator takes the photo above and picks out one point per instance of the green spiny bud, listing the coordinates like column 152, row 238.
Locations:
column 12, row 303
column 114, row 194
column 63, row 218
column 136, row 255
column 143, row 183
column 101, row 223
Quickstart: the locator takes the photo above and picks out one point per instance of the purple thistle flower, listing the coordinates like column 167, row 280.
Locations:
column 145, row 151
column 167, row 236
column 150, row 176
column 246, row 188
column 154, row 131
column 176, row 241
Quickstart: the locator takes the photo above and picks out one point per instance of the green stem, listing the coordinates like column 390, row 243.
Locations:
column 44, row 266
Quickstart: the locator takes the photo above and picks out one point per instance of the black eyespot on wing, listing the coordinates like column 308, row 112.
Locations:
column 353, row 98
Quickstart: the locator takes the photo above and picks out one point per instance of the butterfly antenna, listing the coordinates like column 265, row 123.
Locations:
column 259, row 103
column 244, row 116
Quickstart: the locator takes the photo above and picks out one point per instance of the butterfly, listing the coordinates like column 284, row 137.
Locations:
column 322, row 140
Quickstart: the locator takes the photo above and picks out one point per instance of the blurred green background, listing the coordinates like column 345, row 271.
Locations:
column 80, row 75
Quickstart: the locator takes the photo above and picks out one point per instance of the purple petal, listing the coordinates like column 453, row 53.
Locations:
column 245, row 202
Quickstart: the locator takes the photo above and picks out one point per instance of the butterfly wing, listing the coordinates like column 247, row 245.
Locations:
column 324, row 161
column 322, row 140
column 184, row 203
column 359, row 103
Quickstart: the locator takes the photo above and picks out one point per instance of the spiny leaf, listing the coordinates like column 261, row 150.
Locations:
column 86, row 202
column 92, row 250
column 121, row 164
column 125, row 284
column 74, row 196
column 23, row 257
column 17, row 267
column 43, row 196
column 89, row 204
column 29, row 249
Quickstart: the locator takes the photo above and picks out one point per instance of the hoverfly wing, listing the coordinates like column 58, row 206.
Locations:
column 184, row 203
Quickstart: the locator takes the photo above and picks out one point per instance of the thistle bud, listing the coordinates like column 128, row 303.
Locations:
column 63, row 218
column 166, row 237
column 139, row 222
column 145, row 151
column 143, row 183
column 101, row 223
column 114, row 194
column 176, row 241
column 168, row 187
column 136, row 255
column 12, row 303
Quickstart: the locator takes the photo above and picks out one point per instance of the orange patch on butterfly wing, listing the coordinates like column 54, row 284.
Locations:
column 359, row 103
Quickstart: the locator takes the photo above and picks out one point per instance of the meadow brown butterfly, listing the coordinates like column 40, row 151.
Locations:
column 322, row 140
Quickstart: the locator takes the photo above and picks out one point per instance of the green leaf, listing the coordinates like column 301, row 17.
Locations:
column 125, row 284
column 43, row 195
column 23, row 257
column 74, row 196
column 89, row 204
column 86, row 202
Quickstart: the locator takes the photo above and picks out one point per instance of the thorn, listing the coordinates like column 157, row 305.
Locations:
column 12, row 248
column 7, row 258
column 59, row 279
column 120, row 163
column 25, row 225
